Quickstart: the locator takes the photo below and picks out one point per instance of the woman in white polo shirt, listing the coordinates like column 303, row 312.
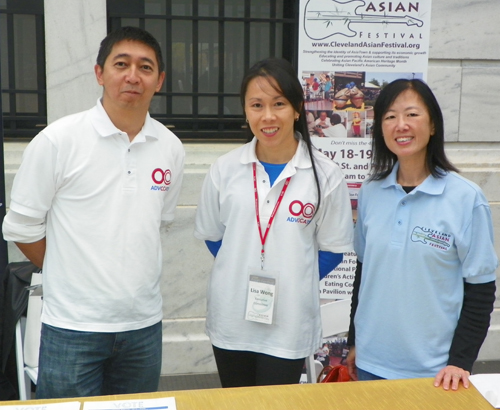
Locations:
column 425, row 283
column 276, row 215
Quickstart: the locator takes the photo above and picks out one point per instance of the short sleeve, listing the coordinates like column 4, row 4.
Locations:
column 476, row 247
column 170, row 205
column 35, row 183
column 23, row 229
column 335, row 232
column 208, row 225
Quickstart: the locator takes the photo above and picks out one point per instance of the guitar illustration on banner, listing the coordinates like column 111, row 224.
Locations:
column 325, row 18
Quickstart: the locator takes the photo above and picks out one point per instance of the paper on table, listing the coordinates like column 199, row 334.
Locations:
column 489, row 386
column 164, row 403
column 72, row 405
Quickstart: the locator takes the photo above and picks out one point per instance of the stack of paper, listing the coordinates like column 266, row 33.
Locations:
column 73, row 405
column 489, row 386
column 165, row 403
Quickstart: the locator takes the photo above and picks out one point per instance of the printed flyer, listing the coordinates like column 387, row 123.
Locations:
column 70, row 405
column 164, row 403
column 348, row 52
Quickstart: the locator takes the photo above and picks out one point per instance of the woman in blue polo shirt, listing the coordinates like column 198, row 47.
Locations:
column 425, row 283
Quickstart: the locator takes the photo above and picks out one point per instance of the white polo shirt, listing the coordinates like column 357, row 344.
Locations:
column 335, row 131
column 103, row 198
column 226, row 211
column 417, row 249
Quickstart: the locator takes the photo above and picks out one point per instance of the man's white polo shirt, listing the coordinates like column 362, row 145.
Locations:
column 103, row 198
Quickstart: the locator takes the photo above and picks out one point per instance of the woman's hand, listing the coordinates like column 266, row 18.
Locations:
column 451, row 376
column 351, row 363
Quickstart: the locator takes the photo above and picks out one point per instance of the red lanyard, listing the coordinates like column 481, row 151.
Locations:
column 257, row 213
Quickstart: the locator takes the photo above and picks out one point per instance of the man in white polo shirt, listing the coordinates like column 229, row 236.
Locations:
column 87, row 204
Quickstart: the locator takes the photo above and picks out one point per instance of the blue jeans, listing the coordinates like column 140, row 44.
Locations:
column 366, row 376
column 80, row 364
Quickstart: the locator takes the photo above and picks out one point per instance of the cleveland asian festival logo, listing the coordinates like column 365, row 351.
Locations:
column 431, row 237
column 326, row 18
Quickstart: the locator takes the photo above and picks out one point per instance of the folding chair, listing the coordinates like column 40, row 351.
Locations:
column 28, row 331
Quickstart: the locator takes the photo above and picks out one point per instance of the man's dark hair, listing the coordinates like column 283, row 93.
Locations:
column 129, row 34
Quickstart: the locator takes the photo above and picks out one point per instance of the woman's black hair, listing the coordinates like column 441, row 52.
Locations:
column 287, row 84
column 383, row 159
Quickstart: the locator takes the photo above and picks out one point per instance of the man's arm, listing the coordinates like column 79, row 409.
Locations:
column 35, row 251
column 33, row 191
column 27, row 233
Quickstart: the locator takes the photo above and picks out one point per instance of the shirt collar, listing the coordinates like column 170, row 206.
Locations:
column 105, row 127
column 431, row 185
column 300, row 159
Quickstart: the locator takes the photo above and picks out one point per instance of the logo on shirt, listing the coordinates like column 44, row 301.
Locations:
column 162, row 179
column 302, row 213
column 432, row 238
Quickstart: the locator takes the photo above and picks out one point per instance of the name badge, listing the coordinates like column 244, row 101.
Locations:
column 261, row 299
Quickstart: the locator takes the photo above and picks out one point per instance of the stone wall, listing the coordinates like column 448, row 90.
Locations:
column 464, row 72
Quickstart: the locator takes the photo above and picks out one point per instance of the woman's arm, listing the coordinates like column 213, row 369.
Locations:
column 328, row 261
column 351, row 337
column 213, row 247
column 470, row 333
column 473, row 324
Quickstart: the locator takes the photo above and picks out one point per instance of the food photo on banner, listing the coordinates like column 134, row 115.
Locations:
column 348, row 52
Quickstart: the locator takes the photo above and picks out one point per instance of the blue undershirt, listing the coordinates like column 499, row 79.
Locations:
column 328, row 261
column 273, row 170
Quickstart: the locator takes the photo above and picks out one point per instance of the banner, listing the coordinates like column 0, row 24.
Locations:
column 348, row 52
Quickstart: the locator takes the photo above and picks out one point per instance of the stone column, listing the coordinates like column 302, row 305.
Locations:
column 73, row 32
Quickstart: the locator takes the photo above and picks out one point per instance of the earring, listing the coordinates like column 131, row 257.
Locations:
column 246, row 120
column 297, row 117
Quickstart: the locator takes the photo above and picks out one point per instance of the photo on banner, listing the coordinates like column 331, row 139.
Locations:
column 348, row 52
column 333, row 352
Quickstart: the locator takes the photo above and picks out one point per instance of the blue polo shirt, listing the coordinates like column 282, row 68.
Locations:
column 417, row 249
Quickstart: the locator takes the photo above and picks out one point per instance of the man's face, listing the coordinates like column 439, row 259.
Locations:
column 130, row 76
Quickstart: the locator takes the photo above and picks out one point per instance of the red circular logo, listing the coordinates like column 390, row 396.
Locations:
column 297, row 208
column 161, row 177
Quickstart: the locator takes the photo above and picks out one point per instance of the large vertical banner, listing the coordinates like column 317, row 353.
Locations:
column 348, row 51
